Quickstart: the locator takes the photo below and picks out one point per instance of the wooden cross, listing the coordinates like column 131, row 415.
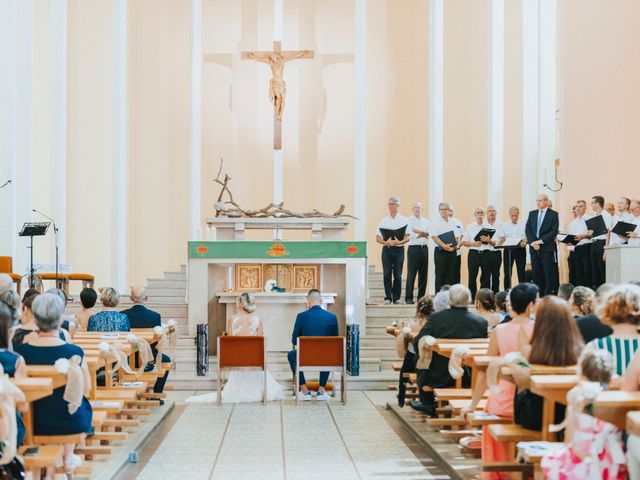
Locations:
column 276, row 59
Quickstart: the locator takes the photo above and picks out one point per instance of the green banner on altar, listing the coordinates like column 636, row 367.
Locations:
column 241, row 249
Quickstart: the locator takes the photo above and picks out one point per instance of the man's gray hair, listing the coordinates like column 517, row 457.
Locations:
column 314, row 296
column 59, row 293
column 6, row 282
column 441, row 301
column 514, row 209
column 459, row 296
column 48, row 309
column 445, row 204
column 395, row 200
column 492, row 207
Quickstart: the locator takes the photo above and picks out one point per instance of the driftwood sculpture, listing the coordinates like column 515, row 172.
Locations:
column 229, row 208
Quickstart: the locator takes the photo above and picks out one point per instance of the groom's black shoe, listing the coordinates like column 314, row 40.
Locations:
column 429, row 410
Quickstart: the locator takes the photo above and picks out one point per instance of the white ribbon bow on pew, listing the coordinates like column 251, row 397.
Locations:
column 74, row 390
column 165, row 332
column 402, row 341
column 520, row 370
column 9, row 396
column 458, row 355
column 425, row 352
column 141, row 346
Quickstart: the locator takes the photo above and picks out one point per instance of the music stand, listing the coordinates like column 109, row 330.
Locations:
column 33, row 229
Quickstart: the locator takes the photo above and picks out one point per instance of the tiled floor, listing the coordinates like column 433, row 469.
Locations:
column 284, row 441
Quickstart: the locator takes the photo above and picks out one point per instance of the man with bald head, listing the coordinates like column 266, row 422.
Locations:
column 142, row 317
column 6, row 282
column 541, row 230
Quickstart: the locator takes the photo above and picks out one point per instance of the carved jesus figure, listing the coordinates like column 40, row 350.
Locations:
column 276, row 60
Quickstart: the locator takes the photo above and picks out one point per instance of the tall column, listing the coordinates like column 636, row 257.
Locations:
column 360, row 164
column 195, row 154
column 58, row 156
column 119, row 146
column 495, row 176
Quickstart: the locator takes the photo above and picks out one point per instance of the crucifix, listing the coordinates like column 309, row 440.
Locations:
column 277, row 59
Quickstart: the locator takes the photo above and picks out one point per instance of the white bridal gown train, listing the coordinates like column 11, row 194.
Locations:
column 244, row 386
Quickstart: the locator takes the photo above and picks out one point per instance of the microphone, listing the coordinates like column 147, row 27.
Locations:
column 55, row 228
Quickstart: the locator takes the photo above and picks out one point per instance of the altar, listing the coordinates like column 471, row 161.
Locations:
column 219, row 271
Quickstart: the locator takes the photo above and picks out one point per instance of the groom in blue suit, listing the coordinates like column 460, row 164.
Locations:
column 314, row 322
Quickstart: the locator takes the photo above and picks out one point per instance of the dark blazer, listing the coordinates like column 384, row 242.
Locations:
column 548, row 229
column 591, row 328
column 450, row 323
column 315, row 322
column 141, row 317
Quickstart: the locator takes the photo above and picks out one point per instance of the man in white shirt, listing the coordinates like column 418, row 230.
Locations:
column 598, row 274
column 460, row 229
column 417, row 253
column 582, row 250
column 634, row 237
column 495, row 255
column 514, row 230
column 392, row 252
column 478, row 258
column 444, row 256
column 624, row 214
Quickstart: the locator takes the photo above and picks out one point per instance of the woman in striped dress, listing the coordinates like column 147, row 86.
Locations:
column 621, row 311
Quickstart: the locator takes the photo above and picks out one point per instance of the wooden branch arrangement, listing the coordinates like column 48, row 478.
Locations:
column 230, row 208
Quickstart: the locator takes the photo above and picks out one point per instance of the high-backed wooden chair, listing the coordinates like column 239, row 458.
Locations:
column 241, row 353
column 6, row 266
column 322, row 354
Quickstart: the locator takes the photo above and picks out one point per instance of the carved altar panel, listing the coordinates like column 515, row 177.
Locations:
column 305, row 277
column 282, row 274
column 249, row 277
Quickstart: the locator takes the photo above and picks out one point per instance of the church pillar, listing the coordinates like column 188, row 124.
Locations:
column 195, row 148
column 360, row 163
column 119, row 146
column 495, row 177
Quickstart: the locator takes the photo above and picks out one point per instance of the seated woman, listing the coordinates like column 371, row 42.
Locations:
column 505, row 338
column 67, row 322
column 109, row 320
column 88, row 299
column 28, row 327
column 502, row 304
column 582, row 301
column 51, row 414
column 12, row 363
column 486, row 306
column 555, row 341
column 621, row 311
column 589, row 324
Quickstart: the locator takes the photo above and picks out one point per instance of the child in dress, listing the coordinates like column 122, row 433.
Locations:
column 593, row 447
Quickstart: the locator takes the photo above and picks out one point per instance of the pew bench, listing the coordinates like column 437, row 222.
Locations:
column 633, row 423
column 613, row 406
column 47, row 456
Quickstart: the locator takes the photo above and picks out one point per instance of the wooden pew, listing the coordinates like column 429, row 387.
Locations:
column 613, row 406
column 633, row 423
column 553, row 388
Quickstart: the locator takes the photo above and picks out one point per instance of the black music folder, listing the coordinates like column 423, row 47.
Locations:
column 448, row 238
column 569, row 240
column 485, row 232
column 398, row 234
column 596, row 225
column 623, row 228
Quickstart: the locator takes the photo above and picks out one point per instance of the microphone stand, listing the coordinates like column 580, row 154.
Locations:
column 55, row 233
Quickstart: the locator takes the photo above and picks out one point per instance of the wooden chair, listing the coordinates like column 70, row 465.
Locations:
column 322, row 354
column 6, row 266
column 241, row 353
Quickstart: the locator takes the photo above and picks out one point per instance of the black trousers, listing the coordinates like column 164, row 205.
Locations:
column 417, row 263
column 571, row 265
column 495, row 262
column 519, row 256
column 457, row 277
column 446, row 265
column 478, row 261
column 392, row 262
column 544, row 266
column 598, row 273
column 582, row 265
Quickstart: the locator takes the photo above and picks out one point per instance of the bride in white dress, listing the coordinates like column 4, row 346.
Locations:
column 244, row 386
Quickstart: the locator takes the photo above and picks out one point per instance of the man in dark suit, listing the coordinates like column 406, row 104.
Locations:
column 455, row 322
column 314, row 322
column 141, row 317
column 542, row 230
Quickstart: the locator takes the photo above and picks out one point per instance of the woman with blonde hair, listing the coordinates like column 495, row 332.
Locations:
column 582, row 301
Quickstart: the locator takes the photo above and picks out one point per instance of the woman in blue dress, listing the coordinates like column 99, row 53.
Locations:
column 109, row 320
column 51, row 414
column 12, row 363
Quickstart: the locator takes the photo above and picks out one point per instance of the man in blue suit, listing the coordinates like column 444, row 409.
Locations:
column 542, row 230
column 314, row 322
column 142, row 317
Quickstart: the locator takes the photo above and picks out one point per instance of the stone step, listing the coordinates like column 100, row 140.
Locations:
column 384, row 340
column 390, row 311
column 167, row 300
column 181, row 276
column 154, row 283
column 376, row 330
column 154, row 293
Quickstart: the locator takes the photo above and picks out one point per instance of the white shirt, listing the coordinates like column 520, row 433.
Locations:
column 625, row 217
column 497, row 226
column 392, row 223
column 512, row 230
column 459, row 232
column 577, row 226
column 470, row 235
column 440, row 226
column 423, row 224
column 636, row 222
column 608, row 221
